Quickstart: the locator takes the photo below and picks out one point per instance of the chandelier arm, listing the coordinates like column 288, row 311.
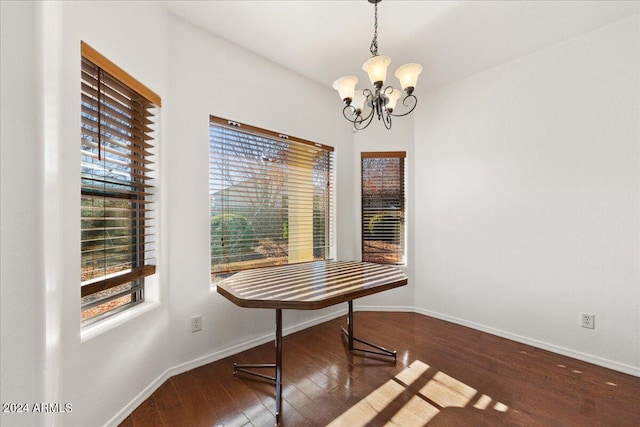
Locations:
column 357, row 125
column 359, row 119
column 369, row 116
column 404, row 102
column 352, row 110
column 386, row 119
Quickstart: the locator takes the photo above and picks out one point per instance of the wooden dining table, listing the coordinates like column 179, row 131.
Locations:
column 308, row 286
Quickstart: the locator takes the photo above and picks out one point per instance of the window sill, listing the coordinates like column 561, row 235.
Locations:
column 95, row 329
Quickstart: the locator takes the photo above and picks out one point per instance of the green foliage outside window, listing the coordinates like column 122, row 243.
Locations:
column 231, row 235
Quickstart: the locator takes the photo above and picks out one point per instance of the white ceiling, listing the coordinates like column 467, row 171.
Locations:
column 323, row 40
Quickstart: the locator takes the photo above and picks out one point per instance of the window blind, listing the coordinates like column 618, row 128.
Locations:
column 271, row 198
column 383, row 207
column 117, row 190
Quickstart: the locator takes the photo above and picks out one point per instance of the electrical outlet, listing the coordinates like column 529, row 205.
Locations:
column 196, row 323
column 588, row 320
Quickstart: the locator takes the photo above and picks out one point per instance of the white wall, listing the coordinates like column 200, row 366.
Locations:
column 527, row 198
column 21, row 271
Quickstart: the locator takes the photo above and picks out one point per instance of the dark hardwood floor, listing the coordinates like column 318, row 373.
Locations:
column 445, row 375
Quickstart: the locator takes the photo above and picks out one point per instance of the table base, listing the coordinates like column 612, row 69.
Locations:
column 249, row 368
column 381, row 351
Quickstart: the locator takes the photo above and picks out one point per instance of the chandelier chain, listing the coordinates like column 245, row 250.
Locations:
column 374, row 42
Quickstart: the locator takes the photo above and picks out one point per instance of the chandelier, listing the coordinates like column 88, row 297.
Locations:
column 379, row 102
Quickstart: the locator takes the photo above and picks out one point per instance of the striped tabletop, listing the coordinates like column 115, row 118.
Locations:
column 310, row 285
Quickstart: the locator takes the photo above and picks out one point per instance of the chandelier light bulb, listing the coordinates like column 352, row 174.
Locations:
column 393, row 96
column 358, row 100
column 345, row 87
column 376, row 68
column 408, row 76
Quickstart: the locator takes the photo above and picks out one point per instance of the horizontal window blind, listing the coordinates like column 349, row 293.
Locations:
column 271, row 198
column 117, row 190
column 383, row 207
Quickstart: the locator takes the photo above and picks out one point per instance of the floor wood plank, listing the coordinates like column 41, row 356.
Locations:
column 445, row 375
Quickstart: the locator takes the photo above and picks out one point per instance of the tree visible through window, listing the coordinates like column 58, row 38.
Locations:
column 117, row 222
column 270, row 198
column 383, row 207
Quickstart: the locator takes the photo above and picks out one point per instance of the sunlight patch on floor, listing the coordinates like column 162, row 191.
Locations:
column 447, row 391
column 366, row 410
column 500, row 407
column 440, row 392
column 483, row 402
column 416, row 412
column 412, row 372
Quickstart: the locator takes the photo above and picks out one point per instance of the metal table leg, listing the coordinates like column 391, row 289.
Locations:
column 351, row 338
column 278, row 366
column 247, row 368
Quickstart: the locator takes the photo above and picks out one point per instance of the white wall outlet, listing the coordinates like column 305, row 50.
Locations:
column 588, row 320
column 196, row 323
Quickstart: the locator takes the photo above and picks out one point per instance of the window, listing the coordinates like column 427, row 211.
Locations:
column 383, row 207
column 270, row 198
column 117, row 213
